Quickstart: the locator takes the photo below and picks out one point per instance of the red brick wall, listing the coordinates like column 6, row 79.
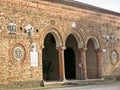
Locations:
column 41, row 17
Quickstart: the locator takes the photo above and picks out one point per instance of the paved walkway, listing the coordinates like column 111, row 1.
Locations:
column 109, row 86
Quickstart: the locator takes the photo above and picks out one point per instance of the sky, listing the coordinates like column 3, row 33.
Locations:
column 113, row 5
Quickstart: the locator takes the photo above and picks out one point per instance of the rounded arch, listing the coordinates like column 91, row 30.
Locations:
column 77, row 36
column 55, row 34
column 95, row 40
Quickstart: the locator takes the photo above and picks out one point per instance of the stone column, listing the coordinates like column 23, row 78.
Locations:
column 61, row 63
column 83, row 61
column 99, row 71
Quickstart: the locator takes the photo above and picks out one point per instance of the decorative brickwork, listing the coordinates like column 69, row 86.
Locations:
column 56, row 18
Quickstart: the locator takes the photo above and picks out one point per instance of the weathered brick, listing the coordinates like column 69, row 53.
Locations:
column 90, row 25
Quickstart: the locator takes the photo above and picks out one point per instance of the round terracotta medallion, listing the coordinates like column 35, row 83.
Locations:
column 18, row 52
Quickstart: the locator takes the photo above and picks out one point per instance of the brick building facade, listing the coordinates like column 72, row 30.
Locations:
column 71, row 40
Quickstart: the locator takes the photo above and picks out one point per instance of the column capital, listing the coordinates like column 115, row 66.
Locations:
column 82, row 49
column 42, row 47
column 98, row 50
column 61, row 48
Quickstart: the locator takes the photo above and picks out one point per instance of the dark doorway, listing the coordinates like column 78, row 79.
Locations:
column 50, row 59
column 70, row 72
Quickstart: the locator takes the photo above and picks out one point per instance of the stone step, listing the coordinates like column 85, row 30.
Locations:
column 53, row 83
column 74, row 82
column 84, row 82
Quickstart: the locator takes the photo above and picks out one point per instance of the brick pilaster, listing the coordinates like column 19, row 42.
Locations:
column 99, row 71
column 83, row 61
column 61, row 63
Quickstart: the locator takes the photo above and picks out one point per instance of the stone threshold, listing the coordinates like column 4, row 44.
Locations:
column 74, row 82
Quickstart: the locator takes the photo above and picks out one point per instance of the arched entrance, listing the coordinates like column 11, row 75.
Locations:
column 91, row 60
column 50, row 59
column 72, row 58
